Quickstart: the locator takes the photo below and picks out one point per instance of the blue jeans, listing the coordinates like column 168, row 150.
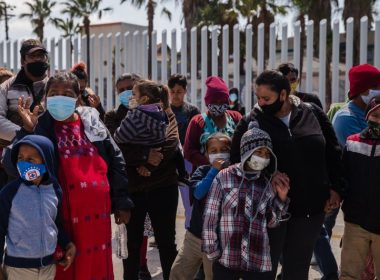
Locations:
column 322, row 249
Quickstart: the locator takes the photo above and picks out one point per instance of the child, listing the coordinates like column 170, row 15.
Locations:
column 146, row 121
column 190, row 256
column 240, row 206
column 30, row 210
column 361, row 205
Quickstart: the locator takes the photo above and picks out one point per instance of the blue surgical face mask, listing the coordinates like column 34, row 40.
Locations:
column 124, row 97
column 61, row 107
column 233, row 97
column 30, row 171
column 371, row 94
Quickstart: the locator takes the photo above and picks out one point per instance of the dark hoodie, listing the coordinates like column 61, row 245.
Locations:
column 30, row 218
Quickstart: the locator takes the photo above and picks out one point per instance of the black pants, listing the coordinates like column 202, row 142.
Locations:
column 223, row 273
column 161, row 204
column 276, row 242
column 301, row 235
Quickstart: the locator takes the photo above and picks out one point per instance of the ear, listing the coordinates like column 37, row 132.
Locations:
column 283, row 95
column 144, row 99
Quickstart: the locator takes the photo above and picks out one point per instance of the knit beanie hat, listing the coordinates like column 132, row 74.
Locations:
column 373, row 105
column 253, row 139
column 217, row 91
column 362, row 78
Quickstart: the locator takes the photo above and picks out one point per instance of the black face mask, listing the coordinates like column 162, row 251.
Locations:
column 37, row 68
column 273, row 108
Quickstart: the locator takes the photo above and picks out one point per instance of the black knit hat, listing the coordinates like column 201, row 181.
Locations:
column 373, row 105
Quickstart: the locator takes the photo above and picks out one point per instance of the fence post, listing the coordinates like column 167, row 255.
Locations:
column 154, row 56
column 214, row 50
column 164, row 60
column 377, row 43
column 248, row 69
column 297, row 45
column 236, row 38
column 260, row 49
column 15, row 56
column 272, row 46
column 203, row 65
column 68, row 53
column 284, row 43
column 184, row 53
column 193, row 74
column 226, row 54
column 350, row 50
column 322, row 61
column 173, row 53
column 118, row 61
column 136, row 52
column 2, row 54
column 309, row 55
column 8, row 44
column 83, row 49
column 110, row 94
column 76, row 49
column 52, row 57
column 92, row 55
column 335, row 63
column 363, row 39
column 145, row 50
column 101, row 66
column 60, row 54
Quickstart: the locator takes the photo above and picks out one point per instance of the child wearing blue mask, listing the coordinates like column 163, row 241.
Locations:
column 30, row 214
column 90, row 169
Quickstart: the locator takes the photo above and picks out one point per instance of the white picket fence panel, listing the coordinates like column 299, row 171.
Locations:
column 114, row 54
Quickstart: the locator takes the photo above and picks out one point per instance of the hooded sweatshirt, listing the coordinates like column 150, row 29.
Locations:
column 239, row 209
column 30, row 218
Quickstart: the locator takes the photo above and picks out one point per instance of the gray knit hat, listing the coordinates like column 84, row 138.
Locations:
column 253, row 139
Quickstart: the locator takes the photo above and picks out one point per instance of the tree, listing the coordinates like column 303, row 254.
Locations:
column 150, row 6
column 358, row 9
column 83, row 9
column 39, row 13
column 5, row 15
column 68, row 27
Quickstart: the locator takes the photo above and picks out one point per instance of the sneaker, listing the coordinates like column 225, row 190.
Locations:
column 144, row 273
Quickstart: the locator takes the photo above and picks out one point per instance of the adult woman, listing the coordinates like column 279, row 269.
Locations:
column 90, row 170
column 308, row 152
column 216, row 119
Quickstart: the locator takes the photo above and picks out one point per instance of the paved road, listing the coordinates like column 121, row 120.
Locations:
column 154, row 261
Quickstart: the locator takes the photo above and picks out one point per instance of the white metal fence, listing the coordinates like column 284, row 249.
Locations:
column 130, row 53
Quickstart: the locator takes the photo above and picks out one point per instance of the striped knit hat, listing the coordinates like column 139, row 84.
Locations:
column 253, row 139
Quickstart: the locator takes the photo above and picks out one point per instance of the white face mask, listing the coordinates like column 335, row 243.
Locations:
column 222, row 156
column 132, row 103
column 258, row 163
column 371, row 94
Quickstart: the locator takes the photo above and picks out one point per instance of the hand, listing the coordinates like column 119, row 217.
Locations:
column 29, row 119
column 143, row 171
column 69, row 256
column 122, row 216
column 334, row 200
column 282, row 191
column 281, row 179
column 218, row 164
column 155, row 156
column 94, row 100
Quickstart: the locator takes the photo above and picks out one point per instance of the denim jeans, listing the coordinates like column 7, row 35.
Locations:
column 322, row 250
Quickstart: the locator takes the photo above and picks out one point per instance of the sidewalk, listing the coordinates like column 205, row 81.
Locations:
column 154, row 260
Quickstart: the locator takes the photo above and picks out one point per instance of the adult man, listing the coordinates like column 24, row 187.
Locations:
column 183, row 111
column 291, row 73
column 29, row 82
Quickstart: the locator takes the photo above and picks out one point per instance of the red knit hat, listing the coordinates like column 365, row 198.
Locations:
column 217, row 91
column 362, row 78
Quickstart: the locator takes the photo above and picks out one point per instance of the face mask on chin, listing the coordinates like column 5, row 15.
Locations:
column 37, row 68
column 273, row 108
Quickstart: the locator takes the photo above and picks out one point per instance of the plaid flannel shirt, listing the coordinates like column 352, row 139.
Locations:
column 237, row 213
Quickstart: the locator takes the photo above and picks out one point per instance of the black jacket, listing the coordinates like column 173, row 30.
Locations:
column 107, row 149
column 309, row 97
column 307, row 151
column 361, row 169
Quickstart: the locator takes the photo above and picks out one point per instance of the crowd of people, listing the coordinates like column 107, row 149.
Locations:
column 260, row 188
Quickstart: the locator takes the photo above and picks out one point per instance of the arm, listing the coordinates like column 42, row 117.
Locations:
column 241, row 128
column 7, row 128
column 63, row 238
column 117, row 176
column 277, row 211
column 192, row 144
column 203, row 186
column 344, row 126
column 333, row 151
column 127, row 130
column 101, row 111
column 111, row 121
column 210, row 242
